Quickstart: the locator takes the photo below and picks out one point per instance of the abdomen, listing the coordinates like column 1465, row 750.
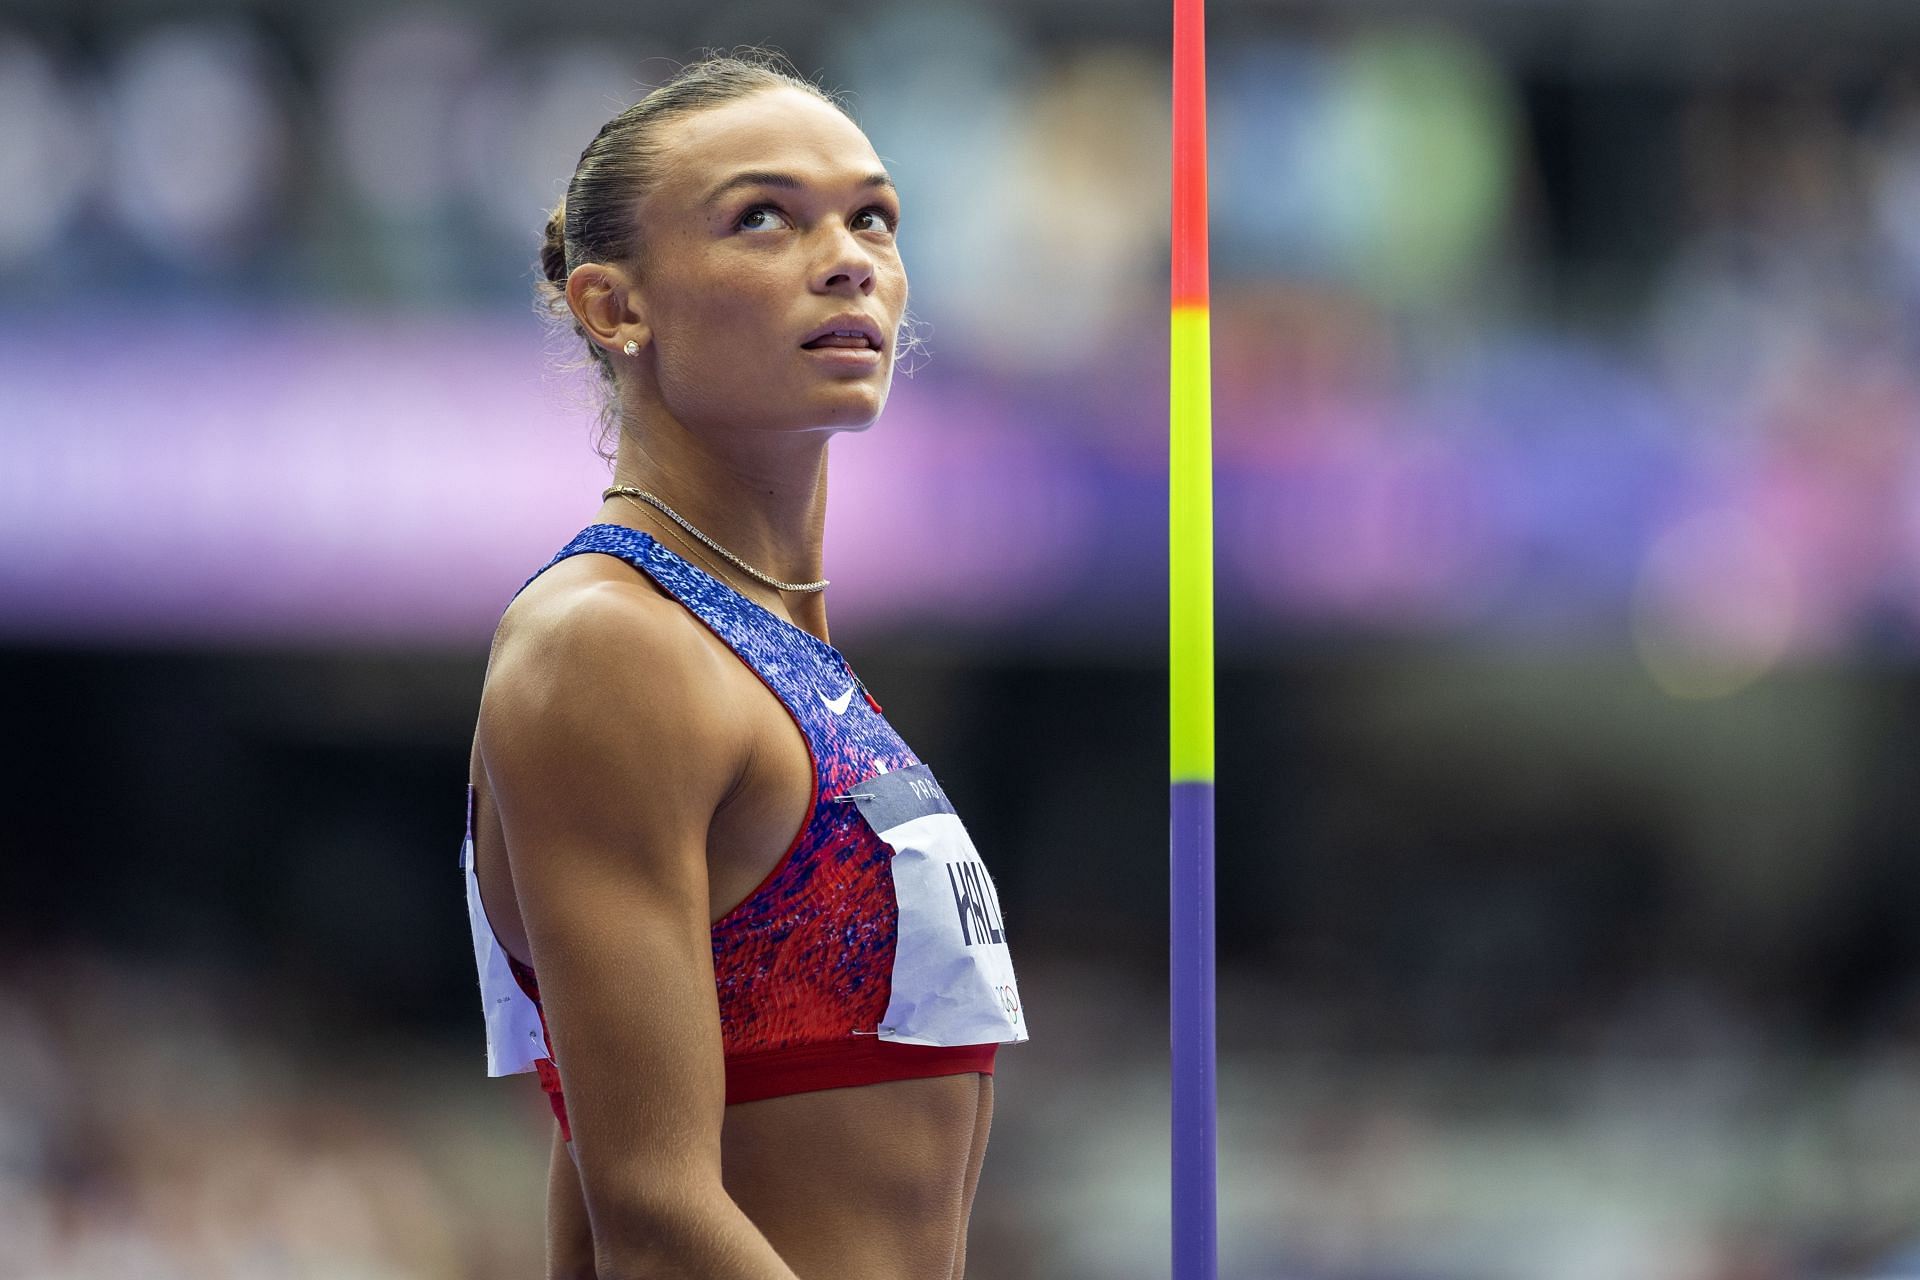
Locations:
column 867, row 1183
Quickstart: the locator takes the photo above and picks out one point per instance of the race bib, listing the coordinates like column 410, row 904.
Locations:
column 952, row 973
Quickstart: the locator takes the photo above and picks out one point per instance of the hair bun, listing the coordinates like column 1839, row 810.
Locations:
column 553, row 251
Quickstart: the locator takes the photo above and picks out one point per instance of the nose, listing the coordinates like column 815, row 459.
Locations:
column 846, row 267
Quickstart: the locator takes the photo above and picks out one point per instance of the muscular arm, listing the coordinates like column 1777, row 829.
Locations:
column 607, row 757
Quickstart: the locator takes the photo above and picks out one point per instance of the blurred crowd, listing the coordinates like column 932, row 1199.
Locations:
column 161, row 1122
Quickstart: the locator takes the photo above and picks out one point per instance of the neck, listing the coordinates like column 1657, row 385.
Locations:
column 761, row 495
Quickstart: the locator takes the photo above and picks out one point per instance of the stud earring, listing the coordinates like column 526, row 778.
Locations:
column 632, row 348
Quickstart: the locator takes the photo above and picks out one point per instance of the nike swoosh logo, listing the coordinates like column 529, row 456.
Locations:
column 838, row 705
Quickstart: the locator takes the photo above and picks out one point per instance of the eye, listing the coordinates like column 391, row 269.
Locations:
column 760, row 217
column 885, row 221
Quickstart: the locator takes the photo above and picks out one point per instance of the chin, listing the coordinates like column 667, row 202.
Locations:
column 851, row 407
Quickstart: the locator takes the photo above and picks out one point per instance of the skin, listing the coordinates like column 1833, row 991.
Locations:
column 636, row 780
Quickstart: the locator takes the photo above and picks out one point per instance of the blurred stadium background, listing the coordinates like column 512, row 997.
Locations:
column 1568, row 432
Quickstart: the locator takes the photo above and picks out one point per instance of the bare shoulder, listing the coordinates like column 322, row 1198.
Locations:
column 596, row 676
column 588, row 602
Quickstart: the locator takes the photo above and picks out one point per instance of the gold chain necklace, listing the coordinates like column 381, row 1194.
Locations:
column 628, row 491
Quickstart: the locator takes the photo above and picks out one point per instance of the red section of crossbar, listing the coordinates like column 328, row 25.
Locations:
column 1189, row 153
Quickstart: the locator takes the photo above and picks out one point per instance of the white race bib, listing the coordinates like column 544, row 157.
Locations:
column 952, row 973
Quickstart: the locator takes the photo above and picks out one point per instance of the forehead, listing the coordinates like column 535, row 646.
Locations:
column 777, row 130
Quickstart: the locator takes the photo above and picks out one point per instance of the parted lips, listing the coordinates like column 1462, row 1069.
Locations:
column 853, row 331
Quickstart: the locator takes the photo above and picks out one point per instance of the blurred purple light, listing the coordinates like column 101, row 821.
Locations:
column 338, row 478
column 341, row 476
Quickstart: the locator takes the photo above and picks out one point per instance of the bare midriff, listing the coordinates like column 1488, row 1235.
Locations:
column 868, row 1183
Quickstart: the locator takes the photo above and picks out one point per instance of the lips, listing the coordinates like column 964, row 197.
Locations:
column 847, row 332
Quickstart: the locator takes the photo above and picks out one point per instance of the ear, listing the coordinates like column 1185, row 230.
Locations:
column 605, row 301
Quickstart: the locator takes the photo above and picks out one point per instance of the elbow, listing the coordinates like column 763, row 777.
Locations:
column 651, row 1242
column 629, row 1250
column 631, row 1260
column 627, row 1260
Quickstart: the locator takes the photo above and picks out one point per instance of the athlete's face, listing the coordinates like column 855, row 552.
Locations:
column 772, row 221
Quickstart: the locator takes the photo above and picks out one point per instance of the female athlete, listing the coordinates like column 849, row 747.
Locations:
column 717, row 903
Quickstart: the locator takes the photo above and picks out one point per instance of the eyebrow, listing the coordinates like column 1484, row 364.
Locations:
column 786, row 181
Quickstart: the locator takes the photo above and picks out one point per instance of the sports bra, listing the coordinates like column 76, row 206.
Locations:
column 874, row 950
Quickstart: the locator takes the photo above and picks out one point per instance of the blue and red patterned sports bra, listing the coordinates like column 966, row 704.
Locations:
column 875, row 949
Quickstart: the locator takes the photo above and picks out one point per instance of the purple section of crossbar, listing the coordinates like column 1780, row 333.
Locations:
column 1196, row 1253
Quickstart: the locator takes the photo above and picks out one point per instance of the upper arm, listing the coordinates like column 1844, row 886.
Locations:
column 607, row 759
